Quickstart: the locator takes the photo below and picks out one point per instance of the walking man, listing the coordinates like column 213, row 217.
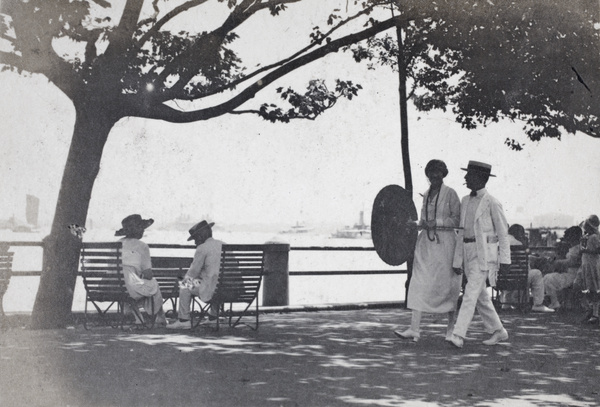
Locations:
column 482, row 247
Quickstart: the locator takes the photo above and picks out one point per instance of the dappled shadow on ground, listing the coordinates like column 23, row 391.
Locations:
column 307, row 359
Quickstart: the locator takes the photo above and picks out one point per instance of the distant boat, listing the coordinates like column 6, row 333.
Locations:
column 359, row 231
column 32, row 206
column 297, row 228
column 32, row 209
column 182, row 223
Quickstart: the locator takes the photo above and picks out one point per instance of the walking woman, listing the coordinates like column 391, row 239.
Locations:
column 434, row 286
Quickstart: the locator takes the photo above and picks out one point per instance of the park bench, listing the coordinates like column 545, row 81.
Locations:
column 240, row 276
column 169, row 271
column 514, row 280
column 6, row 258
column 102, row 274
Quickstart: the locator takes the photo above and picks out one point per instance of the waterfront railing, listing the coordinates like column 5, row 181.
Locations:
column 301, row 272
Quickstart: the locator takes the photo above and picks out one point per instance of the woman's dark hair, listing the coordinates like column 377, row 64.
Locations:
column 436, row 165
column 573, row 234
column 518, row 232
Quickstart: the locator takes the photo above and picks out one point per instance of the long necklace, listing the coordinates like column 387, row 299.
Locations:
column 431, row 239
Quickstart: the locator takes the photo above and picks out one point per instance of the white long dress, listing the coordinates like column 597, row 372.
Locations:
column 434, row 287
column 136, row 258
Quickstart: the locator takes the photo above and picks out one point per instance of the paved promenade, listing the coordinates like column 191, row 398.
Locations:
column 328, row 358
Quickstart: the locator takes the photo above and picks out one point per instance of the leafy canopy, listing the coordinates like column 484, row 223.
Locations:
column 128, row 58
column 532, row 61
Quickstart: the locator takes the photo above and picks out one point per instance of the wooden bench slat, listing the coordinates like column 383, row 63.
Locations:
column 100, row 269
column 171, row 262
column 102, row 253
column 95, row 261
column 101, row 245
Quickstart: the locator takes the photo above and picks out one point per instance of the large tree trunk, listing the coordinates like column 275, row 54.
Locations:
column 52, row 308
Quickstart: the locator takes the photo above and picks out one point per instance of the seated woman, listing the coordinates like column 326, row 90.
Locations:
column 137, row 267
column 564, row 271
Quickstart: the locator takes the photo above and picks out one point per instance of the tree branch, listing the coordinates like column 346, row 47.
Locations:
column 209, row 44
column 121, row 38
column 10, row 59
column 312, row 44
column 257, row 112
column 168, row 17
column 135, row 107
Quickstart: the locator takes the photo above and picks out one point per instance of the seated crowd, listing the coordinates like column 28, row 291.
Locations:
column 573, row 273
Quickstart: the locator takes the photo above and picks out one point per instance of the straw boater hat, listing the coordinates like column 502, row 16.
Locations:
column 194, row 230
column 480, row 167
column 132, row 221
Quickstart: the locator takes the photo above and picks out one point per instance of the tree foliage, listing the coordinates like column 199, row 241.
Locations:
column 531, row 61
column 142, row 67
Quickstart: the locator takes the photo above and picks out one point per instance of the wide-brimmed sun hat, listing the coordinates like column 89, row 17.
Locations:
column 131, row 222
column 480, row 167
column 194, row 230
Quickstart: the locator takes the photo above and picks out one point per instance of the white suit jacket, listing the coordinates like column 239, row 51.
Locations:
column 206, row 266
column 491, row 235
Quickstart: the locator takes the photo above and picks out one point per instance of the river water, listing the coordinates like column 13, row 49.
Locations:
column 303, row 290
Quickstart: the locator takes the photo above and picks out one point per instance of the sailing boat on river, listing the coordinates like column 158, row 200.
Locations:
column 32, row 206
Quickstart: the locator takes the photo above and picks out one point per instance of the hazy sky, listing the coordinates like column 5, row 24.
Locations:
column 242, row 169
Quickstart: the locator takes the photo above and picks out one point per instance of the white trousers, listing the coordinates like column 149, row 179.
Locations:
column 555, row 282
column 185, row 301
column 476, row 296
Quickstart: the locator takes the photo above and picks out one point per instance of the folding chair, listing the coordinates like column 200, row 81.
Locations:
column 102, row 273
column 515, row 280
column 240, row 276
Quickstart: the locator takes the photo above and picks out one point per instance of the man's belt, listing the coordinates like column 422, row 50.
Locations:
column 469, row 240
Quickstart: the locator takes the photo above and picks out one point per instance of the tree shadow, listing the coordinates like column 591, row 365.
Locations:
column 326, row 359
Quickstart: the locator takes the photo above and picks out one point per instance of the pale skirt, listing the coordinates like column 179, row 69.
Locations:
column 146, row 291
column 434, row 287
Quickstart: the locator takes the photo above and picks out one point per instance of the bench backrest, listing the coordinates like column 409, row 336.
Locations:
column 168, row 271
column 102, row 271
column 516, row 277
column 240, row 276
column 6, row 258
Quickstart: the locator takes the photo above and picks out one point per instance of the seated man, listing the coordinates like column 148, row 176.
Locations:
column 535, row 279
column 202, row 277
column 564, row 271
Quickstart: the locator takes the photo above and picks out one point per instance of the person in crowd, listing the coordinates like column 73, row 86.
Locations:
column 564, row 271
column 137, row 268
column 590, row 254
column 482, row 248
column 434, row 286
column 202, row 277
column 535, row 279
